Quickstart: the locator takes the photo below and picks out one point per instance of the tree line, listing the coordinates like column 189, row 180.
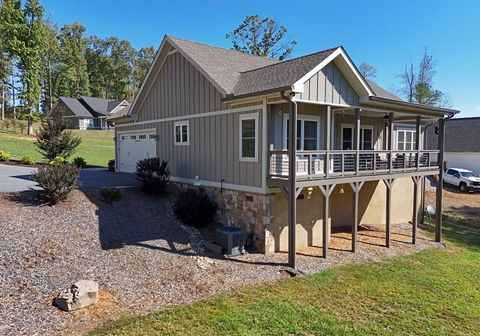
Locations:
column 40, row 62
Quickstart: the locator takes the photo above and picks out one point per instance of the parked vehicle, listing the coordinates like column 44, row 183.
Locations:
column 464, row 179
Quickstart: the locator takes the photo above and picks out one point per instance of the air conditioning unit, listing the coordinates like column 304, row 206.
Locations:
column 231, row 239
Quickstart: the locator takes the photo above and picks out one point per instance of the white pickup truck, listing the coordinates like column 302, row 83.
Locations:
column 464, row 179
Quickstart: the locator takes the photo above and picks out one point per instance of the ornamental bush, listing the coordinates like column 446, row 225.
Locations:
column 28, row 160
column 154, row 175
column 4, row 156
column 79, row 162
column 58, row 160
column 57, row 181
column 195, row 207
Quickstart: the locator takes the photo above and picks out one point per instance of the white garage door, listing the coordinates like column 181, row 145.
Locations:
column 133, row 147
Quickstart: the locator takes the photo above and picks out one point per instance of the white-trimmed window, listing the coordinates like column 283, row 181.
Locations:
column 182, row 132
column 406, row 139
column 366, row 137
column 248, row 137
column 308, row 132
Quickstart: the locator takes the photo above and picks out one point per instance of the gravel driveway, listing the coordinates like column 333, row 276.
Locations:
column 142, row 259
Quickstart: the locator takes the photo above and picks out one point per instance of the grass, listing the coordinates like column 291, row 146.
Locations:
column 97, row 147
column 433, row 292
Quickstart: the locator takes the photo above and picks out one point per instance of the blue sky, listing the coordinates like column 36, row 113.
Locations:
column 386, row 34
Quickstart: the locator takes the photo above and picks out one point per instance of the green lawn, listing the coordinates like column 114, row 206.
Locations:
column 97, row 147
column 433, row 292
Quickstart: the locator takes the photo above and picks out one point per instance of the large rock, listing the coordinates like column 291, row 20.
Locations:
column 81, row 294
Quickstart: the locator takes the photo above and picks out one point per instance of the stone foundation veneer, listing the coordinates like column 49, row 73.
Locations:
column 251, row 211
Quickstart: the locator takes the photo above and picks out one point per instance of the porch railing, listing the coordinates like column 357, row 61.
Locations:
column 312, row 164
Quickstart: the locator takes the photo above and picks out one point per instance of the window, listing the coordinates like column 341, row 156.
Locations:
column 151, row 136
column 406, row 140
column 133, row 137
column 142, row 136
column 307, row 133
column 182, row 136
column 124, row 137
column 248, row 137
column 366, row 137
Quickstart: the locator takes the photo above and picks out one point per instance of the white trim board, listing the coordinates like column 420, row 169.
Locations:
column 193, row 116
column 242, row 117
column 205, row 183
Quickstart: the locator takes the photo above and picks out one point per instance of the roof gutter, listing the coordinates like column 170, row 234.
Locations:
column 231, row 97
column 428, row 108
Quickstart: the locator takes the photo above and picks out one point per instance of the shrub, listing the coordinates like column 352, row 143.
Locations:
column 194, row 207
column 111, row 194
column 4, row 156
column 27, row 159
column 79, row 162
column 58, row 160
column 54, row 140
column 57, row 181
column 111, row 165
column 154, row 175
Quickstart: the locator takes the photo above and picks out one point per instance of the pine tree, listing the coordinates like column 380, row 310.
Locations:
column 54, row 140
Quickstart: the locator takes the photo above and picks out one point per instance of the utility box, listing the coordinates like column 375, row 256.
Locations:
column 231, row 239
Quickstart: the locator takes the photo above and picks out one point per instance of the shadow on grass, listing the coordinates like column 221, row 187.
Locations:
column 457, row 229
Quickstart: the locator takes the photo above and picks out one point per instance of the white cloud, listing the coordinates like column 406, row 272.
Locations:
column 477, row 108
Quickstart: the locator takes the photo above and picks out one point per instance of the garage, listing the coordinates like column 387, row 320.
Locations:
column 133, row 147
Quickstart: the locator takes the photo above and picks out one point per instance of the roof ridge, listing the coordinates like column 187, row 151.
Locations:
column 292, row 59
column 225, row 49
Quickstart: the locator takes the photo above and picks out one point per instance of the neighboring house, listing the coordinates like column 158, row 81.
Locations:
column 87, row 112
column 462, row 143
column 221, row 119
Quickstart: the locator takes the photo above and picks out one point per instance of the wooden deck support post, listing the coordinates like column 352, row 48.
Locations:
column 416, row 184
column 326, row 190
column 389, row 184
column 439, row 191
column 417, row 141
column 356, row 186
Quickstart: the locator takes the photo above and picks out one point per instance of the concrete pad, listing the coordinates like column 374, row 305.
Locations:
column 18, row 178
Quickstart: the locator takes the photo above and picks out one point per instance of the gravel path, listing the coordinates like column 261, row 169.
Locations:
column 142, row 259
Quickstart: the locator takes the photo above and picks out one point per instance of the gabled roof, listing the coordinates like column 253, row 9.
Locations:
column 278, row 75
column 76, row 107
column 98, row 106
column 461, row 135
column 222, row 65
column 381, row 92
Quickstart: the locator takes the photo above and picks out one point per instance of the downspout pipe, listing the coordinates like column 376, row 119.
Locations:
column 292, row 178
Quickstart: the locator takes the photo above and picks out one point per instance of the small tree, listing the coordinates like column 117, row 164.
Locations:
column 53, row 140
column 154, row 175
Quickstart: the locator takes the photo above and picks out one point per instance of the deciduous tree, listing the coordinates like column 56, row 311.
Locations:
column 262, row 37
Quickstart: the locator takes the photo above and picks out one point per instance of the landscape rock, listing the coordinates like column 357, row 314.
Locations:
column 81, row 294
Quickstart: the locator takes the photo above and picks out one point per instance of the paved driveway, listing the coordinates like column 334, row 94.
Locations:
column 16, row 178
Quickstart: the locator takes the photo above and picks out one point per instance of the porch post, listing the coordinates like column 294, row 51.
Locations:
column 417, row 142
column 292, row 179
column 390, row 139
column 327, row 141
column 357, row 140
column 439, row 195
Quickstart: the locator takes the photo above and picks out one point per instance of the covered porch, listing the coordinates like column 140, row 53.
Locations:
column 350, row 146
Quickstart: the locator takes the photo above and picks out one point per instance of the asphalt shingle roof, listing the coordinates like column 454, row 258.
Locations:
column 223, row 65
column 461, row 135
column 278, row 75
column 76, row 107
column 99, row 106
column 381, row 92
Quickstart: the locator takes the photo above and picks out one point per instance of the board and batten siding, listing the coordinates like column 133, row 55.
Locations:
column 179, row 89
column 213, row 150
column 329, row 85
column 377, row 123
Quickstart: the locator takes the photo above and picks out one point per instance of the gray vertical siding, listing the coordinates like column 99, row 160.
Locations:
column 329, row 86
column 377, row 123
column 179, row 89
